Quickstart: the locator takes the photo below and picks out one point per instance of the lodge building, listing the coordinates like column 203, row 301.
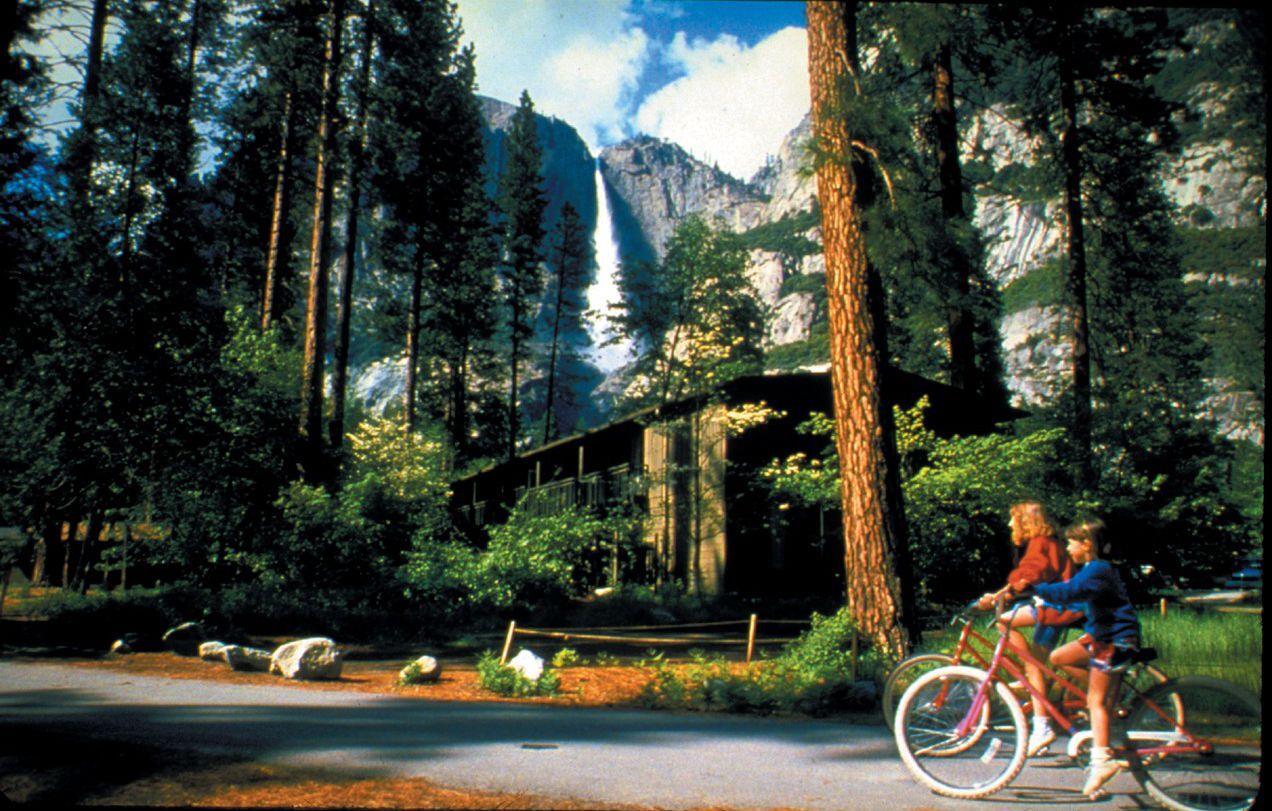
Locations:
column 707, row 520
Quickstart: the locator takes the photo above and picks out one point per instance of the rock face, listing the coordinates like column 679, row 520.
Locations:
column 312, row 659
column 658, row 184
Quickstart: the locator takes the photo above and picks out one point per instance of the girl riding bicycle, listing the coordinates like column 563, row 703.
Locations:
column 1111, row 638
column 1044, row 561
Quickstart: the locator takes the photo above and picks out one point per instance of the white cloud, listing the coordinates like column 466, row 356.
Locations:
column 579, row 59
column 734, row 105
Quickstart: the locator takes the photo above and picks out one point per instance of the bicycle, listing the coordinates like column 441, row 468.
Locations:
column 1193, row 743
column 1142, row 674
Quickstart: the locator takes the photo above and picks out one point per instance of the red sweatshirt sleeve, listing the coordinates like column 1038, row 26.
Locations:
column 1044, row 561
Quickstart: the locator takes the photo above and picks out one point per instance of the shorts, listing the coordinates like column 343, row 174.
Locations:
column 1111, row 657
column 1050, row 621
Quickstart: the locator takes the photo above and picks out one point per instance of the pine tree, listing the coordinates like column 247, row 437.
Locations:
column 312, row 378
column 571, row 249
column 522, row 203
column 874, row 534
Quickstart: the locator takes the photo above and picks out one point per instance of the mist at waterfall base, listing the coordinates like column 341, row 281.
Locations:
column 604, row 293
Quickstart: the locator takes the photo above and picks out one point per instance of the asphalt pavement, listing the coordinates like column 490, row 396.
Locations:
column 664, row 759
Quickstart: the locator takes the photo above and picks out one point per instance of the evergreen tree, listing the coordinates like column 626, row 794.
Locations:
column 313, row 382
column 700, row 320
column 570, row 251
column 425, row 160
column 876, row 556
column 522, row 203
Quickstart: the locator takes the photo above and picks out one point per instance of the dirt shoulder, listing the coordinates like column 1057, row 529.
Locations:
column 47, row 770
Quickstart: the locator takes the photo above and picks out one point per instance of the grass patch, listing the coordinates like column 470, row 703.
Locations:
column 1225, row 646
column 503, row 680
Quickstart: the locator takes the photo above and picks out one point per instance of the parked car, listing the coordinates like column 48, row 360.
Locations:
column 1249, row 576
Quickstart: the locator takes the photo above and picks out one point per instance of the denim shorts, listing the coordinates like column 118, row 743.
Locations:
column 1050, row 621
column 1111, row 657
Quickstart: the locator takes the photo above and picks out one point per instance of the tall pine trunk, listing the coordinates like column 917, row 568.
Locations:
column 959, row 323
column 874, row 539
column 413, row 344
column 276, row 256
column 1077, row 278
column 319, row 248
column 344, row 304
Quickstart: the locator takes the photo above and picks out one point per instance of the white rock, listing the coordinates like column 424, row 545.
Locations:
column 307, row 659
column 527, row 664
column 212, row 651
column 246, row 659
column 423, row 669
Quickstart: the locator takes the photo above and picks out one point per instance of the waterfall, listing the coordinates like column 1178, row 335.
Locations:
column 604, row 291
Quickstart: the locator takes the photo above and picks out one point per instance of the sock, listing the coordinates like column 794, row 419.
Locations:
column 1041, row 724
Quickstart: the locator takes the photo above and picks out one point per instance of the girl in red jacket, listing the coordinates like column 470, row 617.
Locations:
column 1044, row 561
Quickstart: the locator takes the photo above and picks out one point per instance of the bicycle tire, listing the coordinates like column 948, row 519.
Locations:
column 925, row 731
column 905, row 674
column 1227, row 718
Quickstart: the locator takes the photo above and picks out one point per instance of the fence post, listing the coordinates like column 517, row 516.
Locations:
column 512, row 629
column 750, row 640
column 1163, row 607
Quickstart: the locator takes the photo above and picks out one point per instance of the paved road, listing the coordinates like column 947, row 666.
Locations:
column 671, row 760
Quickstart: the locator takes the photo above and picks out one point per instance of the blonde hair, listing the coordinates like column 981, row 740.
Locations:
column 1031, row 521
column 1092, row 532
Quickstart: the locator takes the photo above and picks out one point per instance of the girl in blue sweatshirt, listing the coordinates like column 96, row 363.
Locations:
column 1109, row 644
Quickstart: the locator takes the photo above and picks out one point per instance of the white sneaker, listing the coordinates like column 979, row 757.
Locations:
column 1100, row 773
column 1040, row 739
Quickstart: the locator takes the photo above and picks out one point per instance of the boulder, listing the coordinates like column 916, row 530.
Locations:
column 527, row 664
column 122, row 645
column 212, row 651
column 246, row 659
column 185, row 638
column 423, row 670
column 312, row 659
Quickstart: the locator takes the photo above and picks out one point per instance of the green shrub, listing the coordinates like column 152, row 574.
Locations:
column 566, row 657
column 505, row 681
column 812, row 676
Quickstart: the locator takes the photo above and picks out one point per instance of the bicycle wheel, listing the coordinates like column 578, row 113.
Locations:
column 977, row 763
column 905, row 674
column 1211, row 762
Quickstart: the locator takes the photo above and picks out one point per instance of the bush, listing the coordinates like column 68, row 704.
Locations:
column 812, row 676
column 505, row 681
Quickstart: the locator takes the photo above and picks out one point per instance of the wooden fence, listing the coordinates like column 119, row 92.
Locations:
column 665, row 635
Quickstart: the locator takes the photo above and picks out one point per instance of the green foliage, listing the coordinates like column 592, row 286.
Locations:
column 531, row 561
column 505, row 681
column 1042, row 286
column 566, row 657
column 786, row 237
column 812, row 676
column 957, row 493
column 699, row 315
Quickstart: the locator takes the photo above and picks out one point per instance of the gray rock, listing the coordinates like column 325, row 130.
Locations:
column 246, row 659
column 185, row 638
column 313, row 659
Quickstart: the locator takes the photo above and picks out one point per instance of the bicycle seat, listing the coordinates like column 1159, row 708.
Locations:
column 1144, row 655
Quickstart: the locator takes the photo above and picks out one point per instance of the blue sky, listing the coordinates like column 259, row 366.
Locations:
column 726, row 79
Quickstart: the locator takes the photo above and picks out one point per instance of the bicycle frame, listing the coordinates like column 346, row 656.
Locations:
column 1177, row 741
column 998, row 659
